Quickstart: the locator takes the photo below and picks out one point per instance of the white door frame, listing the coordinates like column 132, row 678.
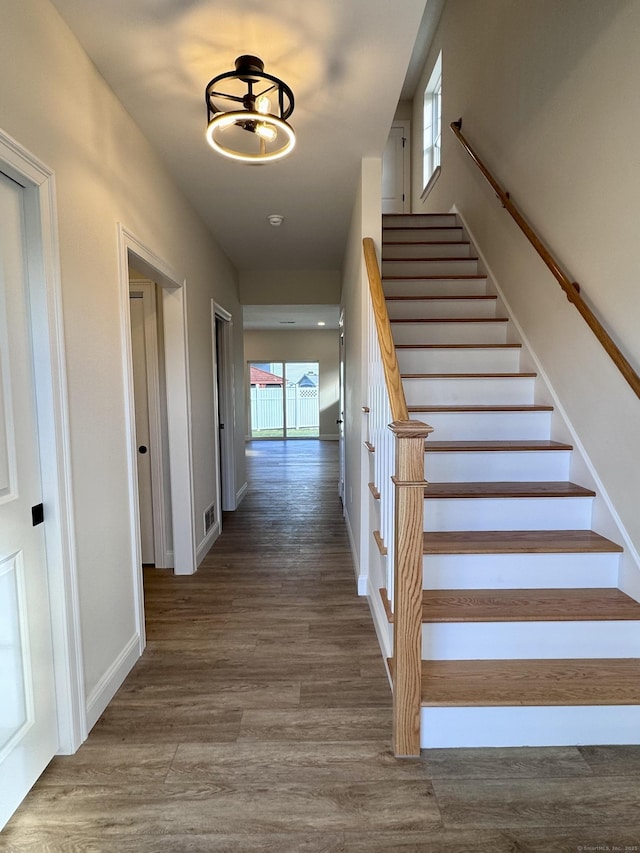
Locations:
column 176, row 359
column 147, row 288
column 53, row 434
column 225, row 405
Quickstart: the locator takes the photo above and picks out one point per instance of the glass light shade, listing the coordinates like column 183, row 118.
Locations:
column 266, row 131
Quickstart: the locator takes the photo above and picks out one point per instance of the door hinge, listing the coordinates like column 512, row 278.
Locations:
column 37, row 514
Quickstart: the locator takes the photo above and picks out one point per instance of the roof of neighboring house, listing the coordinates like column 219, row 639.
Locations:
column 263, row 377
column 307, row 381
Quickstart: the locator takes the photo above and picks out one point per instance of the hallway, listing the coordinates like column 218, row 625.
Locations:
column 259, row 718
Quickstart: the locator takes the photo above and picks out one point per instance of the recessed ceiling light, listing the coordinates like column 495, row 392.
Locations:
column 321, row 323
column 275, row 219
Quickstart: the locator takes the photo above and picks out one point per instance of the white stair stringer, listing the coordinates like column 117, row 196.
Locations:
column 462, row 374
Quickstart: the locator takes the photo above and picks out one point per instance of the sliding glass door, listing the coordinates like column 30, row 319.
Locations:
column 285, row 399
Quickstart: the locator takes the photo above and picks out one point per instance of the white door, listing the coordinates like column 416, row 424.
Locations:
column 142, row 313
column 395, row 171
column 28, row 724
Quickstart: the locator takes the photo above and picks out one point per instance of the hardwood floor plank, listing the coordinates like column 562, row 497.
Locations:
column 280, row 761
column 506, row 763
column 583, row 803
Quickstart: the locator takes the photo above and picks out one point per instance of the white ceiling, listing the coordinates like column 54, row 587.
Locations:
column 292, row 317
column 345, row 61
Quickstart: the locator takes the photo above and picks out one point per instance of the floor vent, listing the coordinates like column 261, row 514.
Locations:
column 209, row 518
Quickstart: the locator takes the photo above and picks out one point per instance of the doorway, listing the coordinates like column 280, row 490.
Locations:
column 154, row 496
column 396, row 170
column 284, row 399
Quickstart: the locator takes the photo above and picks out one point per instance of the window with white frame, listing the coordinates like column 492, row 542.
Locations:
column 432, row 121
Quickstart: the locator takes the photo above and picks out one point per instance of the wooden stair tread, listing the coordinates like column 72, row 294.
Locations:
column 458, row 346
column 527, row 605
column 553, row 489
column 486, row 683
column 450, row 320
column 439, row 259
column 441, row 298
column 421, row 228
column 468, row 375
column 494, row 446
column 423, row 242
column 479, row 409
column 517, row 542
column 443, row 277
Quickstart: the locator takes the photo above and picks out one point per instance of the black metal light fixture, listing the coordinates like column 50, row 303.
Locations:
column 247, row 112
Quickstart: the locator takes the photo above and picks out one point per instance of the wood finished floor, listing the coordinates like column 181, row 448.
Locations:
column 259, row 719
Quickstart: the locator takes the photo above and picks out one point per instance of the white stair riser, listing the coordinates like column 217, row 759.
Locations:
column 487, row 426
column 411, row 235
column 442, row 308
column 529, row 726
column 497, row 466
column 507, row 514
column 426, row 250
column 445, row 333
column 529, row 640
column 471, row 360
column 393, row 269
column 525, row 571
column 435, row 287
column 463, row 391
column 420, row 220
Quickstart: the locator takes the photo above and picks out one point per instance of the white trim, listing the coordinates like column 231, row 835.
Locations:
column 241, row 493
column 361, row 579
column 380, row 621
column 226, row 407
column 112, row 679
column 329, row 436
column 53, row 428
column 178, row 408
column 207, row 542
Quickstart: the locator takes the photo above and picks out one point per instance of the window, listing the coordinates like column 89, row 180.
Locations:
column 285, row 399
column 432, row 122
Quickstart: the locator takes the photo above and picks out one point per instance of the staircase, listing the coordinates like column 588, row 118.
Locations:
column 526, row 639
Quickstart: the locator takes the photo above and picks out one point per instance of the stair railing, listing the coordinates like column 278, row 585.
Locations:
column 571, row 288
column 398, row 447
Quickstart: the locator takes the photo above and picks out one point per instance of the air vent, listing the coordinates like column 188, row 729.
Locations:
column 209, row 518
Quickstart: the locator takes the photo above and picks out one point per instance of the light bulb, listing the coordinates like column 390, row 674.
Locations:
column 266, row 131
column 263, row 105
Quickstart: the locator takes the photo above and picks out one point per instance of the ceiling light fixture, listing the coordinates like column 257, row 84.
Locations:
column 242, row 121
column 275, row 219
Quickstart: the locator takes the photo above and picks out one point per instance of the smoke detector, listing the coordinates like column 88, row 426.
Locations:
column 275, row 219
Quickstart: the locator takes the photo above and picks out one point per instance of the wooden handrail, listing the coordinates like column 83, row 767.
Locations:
column 399, row 411
column 571, row 288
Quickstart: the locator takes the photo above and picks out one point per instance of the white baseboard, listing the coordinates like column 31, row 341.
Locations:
column 360, row 578
column 329, row 437
column 380, row 622
column 207, row 542
column 241, row 493
column 106, row 688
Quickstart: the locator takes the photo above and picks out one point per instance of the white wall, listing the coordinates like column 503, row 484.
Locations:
column 321, row 345
column 548, row 93
column 55, row 104
column 366, row 221
column 289, row 287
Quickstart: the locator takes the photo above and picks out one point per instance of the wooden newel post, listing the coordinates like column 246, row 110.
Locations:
column 407, row 625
